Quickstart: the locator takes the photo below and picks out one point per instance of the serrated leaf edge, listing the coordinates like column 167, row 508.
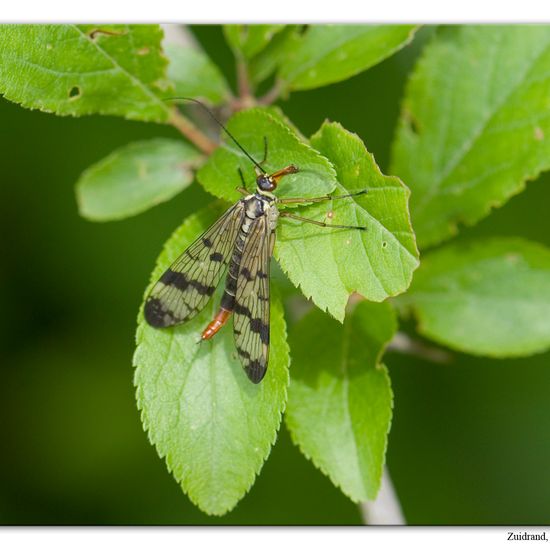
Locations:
column 340, row 315
column 127, row 116
column 145, row 424
column 379, row 366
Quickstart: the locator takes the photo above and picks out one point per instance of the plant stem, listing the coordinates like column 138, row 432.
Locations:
column 402, row 343
column 386, row 509
column 191, row 132
column 245, row 100
column 245, row 93
column 272, row 95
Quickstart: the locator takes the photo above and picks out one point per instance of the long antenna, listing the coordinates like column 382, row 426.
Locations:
column 221, row 125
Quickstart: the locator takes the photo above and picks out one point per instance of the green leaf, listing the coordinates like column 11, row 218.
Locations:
column 195, row 75
column 266, row 62
column 330, row 264
column 86, row 69
column 213, row 426
column 340, row 399
column 474, row 124
column 491, row 297
column 331, row 53
column 220, row 176
column 250, row 39
column 276, row 112
column 135, row 178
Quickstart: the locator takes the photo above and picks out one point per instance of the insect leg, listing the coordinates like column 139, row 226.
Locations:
column 242, row 189
column 320, row 199
column 258, row 171
column 242, row 177
column 320, row 224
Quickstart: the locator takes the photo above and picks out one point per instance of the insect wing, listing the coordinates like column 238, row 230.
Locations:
column 251, row 321
column 188, row 284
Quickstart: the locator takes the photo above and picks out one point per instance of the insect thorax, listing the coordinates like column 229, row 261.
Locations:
column 261, row 204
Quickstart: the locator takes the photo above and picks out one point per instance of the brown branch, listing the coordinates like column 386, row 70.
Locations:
column 191, row 132
column 240, row 103
column 245, row 100
column 242, row 79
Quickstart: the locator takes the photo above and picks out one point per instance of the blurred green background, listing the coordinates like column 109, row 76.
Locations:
column 469, row 441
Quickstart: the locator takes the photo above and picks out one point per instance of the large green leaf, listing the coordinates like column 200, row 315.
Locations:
column 250, row 39
column 474, row 124
column 327, row 264
column 135, row 178
column 491, row 297
column 330, row 264
column 85, row 69
column 340, row 400
column 195, row 75
column 331, row 53
column 220, row 176
column 213, row 426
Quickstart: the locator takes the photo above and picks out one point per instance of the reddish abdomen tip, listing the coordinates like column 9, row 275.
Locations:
column 216, row 324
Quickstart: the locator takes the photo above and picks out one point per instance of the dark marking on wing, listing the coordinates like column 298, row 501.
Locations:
column 243, row 353
column 174, row 278
column 256, row 371
column 243, row 310
column 180, row 281
column 155, row 313
column 251, row 309
column 256, row 325
column 188, row 284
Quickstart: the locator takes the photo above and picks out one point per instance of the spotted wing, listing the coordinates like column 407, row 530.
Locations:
column 251, row 321
column 188, row 284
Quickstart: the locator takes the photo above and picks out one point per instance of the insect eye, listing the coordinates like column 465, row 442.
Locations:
column 265, row 183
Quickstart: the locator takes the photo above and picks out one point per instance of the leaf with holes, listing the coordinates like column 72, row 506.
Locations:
column 213, row 426
column 135, row 178
column 194, row 75
column 331, row 53
column 220, row 175
column 491, row 297
column 86, row 69
column 249, row 40
column 340, row 399
column 473, row 127
column 330, row 264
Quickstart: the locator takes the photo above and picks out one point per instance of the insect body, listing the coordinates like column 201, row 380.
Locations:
column 241, row 242
column 243, row 239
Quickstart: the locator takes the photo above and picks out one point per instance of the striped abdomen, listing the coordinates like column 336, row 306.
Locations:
column 253, row 210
